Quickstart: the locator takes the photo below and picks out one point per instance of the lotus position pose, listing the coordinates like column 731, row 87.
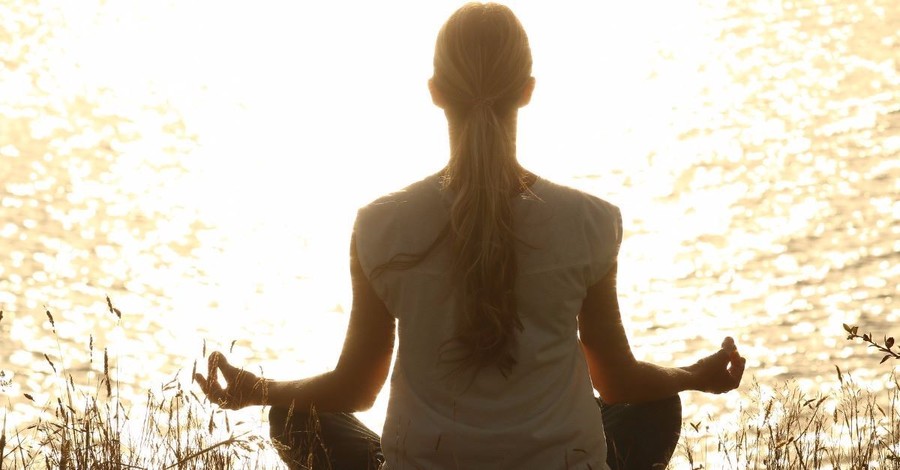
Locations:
column 500, row 287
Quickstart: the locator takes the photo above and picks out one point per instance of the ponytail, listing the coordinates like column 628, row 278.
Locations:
column 482, row 67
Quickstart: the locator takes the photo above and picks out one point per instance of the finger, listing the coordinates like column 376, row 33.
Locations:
column 728, row 344
column 229, row 372
column 212, row 366
column 201, row 381
column 213, row 388
column 205, row 387
column 721, row 357
column 736, row 370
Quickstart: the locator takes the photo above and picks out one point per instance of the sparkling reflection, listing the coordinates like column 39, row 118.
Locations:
column 754, row 148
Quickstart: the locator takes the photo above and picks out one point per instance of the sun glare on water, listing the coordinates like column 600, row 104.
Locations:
column 211, row 157
column 263, row 126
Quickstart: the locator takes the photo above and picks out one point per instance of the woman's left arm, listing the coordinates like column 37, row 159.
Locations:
column 354, row 383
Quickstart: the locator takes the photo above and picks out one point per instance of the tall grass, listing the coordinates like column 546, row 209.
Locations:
column 782, row 428
column 95, row 428
column 785, row 428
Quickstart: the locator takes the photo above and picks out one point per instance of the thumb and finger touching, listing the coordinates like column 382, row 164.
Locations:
column 736, row 363
column 727, row 360
column 728, row 344
column 724, row 368
column 210, row 384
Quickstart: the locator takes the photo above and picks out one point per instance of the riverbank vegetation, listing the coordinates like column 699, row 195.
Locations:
column 91, row 426
column 848, row 427
column 781, row 428
column 785, row 428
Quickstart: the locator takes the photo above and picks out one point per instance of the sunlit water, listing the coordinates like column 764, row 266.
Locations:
column 201, row 164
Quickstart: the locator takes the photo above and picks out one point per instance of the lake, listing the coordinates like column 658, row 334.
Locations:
column 201, row 164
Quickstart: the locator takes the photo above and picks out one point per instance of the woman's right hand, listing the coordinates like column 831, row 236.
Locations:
column 242, row 388
column 719, row 372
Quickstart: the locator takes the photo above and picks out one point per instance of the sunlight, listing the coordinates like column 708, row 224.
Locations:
column 298, row 114
column 202, row 163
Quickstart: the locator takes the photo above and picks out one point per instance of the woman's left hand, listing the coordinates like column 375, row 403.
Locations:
column 719, row 372
column 242, row 388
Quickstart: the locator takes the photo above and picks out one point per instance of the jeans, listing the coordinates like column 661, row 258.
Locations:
column 638, row 437
column 641, row 436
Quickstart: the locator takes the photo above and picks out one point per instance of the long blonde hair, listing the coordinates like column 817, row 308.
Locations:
column 482, row 67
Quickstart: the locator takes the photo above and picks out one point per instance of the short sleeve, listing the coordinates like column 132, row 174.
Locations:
column 371, row 234
column 361, row 239
column 603, row 230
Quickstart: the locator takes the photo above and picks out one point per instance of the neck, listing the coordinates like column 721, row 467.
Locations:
column 526, row 177
column 509, row 123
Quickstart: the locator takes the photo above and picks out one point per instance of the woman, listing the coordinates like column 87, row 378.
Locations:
column 501, row 288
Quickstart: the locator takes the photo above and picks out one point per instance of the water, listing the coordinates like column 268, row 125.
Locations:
column 201, row 165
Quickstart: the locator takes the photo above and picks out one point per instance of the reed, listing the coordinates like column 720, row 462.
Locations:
column 782, row 428
column 785, row 428
column 97, row 429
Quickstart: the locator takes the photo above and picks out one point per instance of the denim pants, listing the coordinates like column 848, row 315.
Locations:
column 638, row 437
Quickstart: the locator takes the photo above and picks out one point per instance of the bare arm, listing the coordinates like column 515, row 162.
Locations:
column 354, row 383
column 620, row 378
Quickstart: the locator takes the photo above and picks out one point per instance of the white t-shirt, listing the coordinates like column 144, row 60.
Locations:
column 543, row 414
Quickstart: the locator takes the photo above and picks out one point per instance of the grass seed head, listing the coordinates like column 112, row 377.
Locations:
column 50, row 362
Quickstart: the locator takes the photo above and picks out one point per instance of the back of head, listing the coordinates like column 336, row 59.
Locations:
column 482, row 57
column 482, row 68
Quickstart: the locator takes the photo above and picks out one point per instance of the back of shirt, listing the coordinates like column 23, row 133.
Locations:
column 543, row 414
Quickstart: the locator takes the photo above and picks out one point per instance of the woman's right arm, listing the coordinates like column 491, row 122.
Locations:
column 620, row 378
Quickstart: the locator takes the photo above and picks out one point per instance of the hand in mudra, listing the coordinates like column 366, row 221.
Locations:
column 242, row 388
column 721, row 371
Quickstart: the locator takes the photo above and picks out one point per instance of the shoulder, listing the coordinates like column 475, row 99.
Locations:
column 399, row 222
column 411, row 194
column 416, row 203
column 598, row 219
column 581, row 204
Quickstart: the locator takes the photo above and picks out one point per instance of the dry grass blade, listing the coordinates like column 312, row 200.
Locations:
column 2, row 440
column 783, row 429
column 50, row 362
column 227, row 442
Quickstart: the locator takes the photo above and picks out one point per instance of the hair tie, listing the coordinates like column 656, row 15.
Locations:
column 485, row 102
